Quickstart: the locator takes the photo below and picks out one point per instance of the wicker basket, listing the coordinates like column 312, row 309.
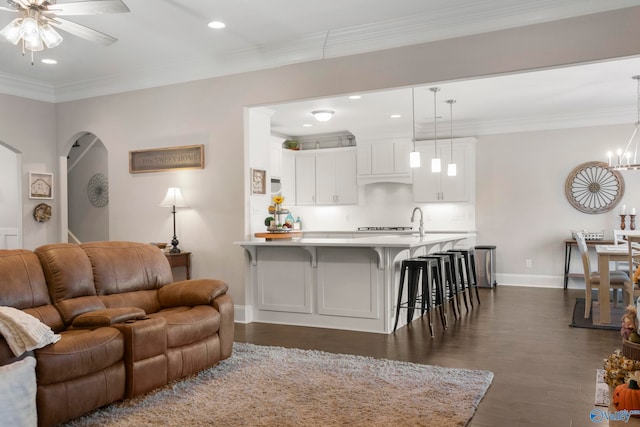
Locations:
column 630, row 350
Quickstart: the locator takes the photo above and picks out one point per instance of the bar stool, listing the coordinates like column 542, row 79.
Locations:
column 466, row 278
column 453, row 280
column 469, row 256
column 458, row 268
column 447, row 280
column 427, row 270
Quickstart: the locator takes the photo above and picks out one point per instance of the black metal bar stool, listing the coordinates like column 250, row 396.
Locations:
column 464, row 272
column 419, row 271
column 469, row 256
column 452, row 282
column 446, row 280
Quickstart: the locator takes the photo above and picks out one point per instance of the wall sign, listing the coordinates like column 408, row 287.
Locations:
column 165, row 159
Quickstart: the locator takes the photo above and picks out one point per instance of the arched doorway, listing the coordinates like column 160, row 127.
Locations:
column 10, row 198
column 87, row 190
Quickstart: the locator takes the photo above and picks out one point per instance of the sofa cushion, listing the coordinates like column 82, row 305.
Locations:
column 187, row 325
column 120, row 267
column 80, row 352
column 24, row 287
column 70, row 280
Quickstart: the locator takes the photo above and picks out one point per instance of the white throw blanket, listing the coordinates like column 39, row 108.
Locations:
column 23, row 332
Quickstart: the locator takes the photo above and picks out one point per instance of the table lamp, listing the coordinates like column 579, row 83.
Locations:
column 174, row 200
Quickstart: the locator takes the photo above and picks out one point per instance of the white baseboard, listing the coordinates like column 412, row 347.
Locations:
column 242, row 313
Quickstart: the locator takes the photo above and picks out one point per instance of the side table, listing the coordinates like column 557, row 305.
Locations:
column 180, row 259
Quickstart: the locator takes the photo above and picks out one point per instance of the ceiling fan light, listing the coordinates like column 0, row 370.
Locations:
column 50, row 36
column 323, row 115
column 12, row 32
column 30, row 30
column 34, row 45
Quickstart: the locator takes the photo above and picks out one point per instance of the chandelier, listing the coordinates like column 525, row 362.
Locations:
column 33, row 29
column 627, row 159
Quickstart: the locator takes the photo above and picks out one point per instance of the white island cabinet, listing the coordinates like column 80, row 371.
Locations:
column 349, row 283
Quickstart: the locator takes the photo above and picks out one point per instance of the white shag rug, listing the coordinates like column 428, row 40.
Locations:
column 275, row 386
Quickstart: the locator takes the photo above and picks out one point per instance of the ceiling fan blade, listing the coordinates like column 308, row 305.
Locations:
column 95, row 7
column 83, row 32
column 15, row 7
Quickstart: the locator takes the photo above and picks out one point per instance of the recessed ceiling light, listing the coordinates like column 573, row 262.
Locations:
column 49, row 61
column 307, row 125
column 395, row 116
column 355, row 97
column 217, row 25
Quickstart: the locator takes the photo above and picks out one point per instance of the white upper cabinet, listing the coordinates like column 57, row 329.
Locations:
column 384, row 161
column 305, row 178
column 276, row 157
column 439, row 187
column 326, row 177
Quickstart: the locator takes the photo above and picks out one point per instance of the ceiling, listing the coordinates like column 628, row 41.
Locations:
column 168, row 41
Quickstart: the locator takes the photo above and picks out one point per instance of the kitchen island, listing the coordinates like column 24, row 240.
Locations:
column 338, row 283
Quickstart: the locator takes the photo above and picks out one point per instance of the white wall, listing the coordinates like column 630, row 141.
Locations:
column 521, row 203
column 212, row 112
column 29, row 127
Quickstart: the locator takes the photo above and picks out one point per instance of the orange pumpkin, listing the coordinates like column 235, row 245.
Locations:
column 627, row 396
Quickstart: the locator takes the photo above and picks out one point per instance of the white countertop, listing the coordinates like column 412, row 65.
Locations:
column 387, row 241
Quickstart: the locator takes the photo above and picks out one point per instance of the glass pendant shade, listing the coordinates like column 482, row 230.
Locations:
column 436, row 165
column 30, row 31
column 34, row 45
column 12, row 32
column 414, row 159
column 451, row 169
column 50, row 36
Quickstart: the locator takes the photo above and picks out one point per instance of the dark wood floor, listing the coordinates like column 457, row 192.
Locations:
column 544, row 370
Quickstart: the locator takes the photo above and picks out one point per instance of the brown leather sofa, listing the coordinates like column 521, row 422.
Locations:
column 126, row 327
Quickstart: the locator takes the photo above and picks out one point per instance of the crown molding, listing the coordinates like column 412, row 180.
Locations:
column 448, row 22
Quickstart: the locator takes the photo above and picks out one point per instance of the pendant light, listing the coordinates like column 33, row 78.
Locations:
column 414, row 156
column 451, row 167
column 435, row 162
column 624, row 160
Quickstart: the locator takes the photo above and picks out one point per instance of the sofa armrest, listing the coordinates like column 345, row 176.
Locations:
column 107, row 317
column 191, row 292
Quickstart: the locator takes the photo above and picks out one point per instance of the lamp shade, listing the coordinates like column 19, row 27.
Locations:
column 174, row 198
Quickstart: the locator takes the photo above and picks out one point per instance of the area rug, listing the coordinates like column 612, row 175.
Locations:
column 593, row 322
column 274, row 386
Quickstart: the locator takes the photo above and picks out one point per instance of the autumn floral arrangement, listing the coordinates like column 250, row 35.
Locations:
column 618, row 368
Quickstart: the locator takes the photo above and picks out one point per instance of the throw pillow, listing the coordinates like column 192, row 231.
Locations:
column 18, row 393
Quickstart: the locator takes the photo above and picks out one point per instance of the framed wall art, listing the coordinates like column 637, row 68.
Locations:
column 258, row 181
column 40, row 185
column 166, row 159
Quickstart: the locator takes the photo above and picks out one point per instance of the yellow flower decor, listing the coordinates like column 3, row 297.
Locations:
column 619, row 369
column 278, row 200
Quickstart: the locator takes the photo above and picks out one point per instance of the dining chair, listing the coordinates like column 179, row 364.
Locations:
column 620, row 237
column 631, row 288
column 617, row 278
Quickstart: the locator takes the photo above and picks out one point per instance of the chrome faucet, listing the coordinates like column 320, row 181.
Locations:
column 413, row 214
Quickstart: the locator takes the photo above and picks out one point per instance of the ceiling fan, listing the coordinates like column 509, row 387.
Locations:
column 34, row 26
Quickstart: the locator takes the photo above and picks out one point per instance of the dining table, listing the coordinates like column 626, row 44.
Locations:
column 607, row 254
